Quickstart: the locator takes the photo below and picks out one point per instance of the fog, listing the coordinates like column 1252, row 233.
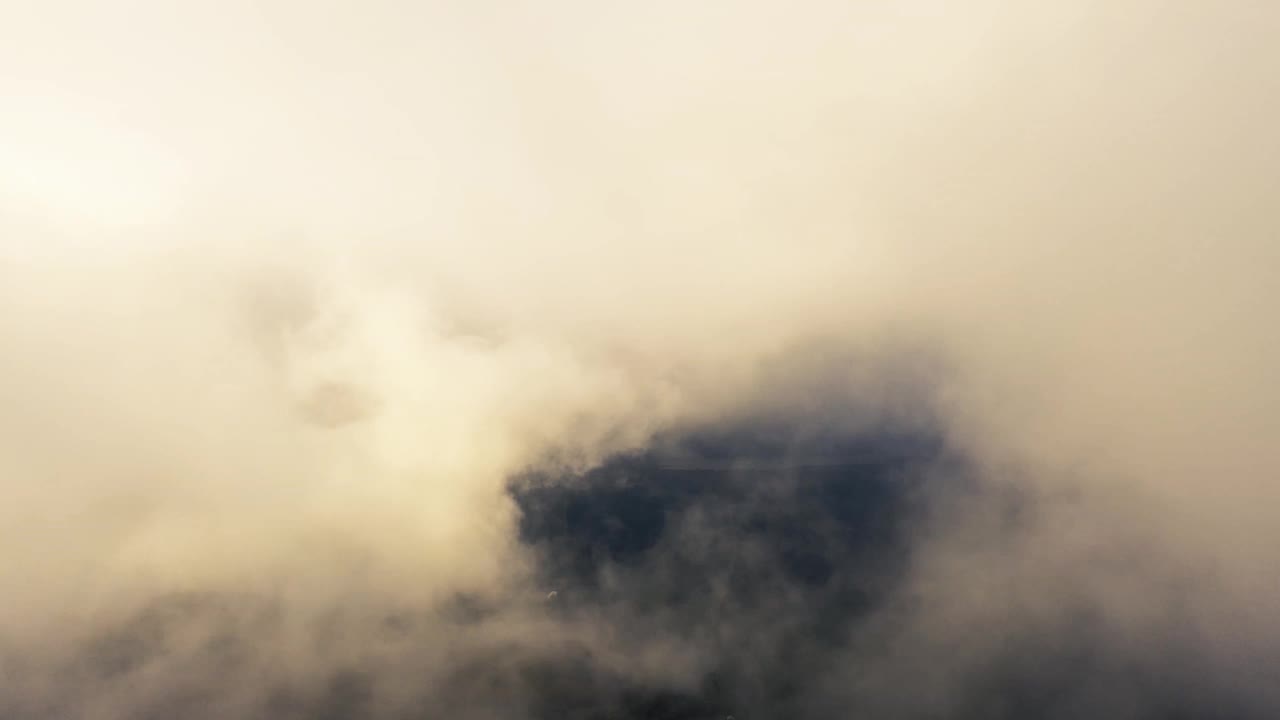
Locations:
column 824, row 359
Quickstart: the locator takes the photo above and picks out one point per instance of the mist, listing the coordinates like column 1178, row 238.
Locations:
column 589, row 360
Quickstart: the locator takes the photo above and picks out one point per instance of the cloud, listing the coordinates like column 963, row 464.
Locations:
column 331, row 343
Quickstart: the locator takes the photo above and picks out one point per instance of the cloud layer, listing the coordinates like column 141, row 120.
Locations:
column 891, row 359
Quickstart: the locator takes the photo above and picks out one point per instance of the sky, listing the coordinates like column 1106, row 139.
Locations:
column 824, row 359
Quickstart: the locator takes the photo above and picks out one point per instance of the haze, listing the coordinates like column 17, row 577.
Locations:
column 517, row 360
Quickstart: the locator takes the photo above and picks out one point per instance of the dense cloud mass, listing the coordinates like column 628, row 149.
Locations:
column 520, row 361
